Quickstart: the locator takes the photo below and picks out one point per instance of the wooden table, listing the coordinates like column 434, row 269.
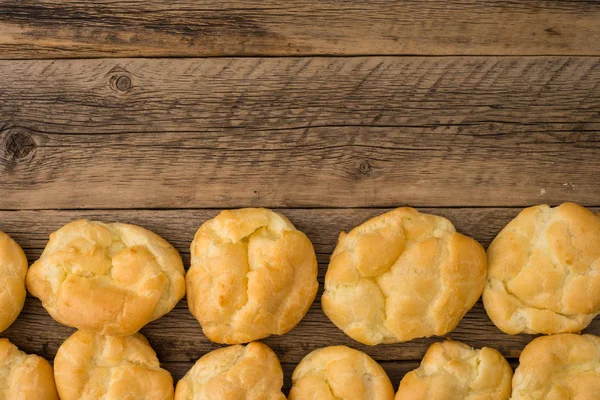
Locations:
column 329, row 111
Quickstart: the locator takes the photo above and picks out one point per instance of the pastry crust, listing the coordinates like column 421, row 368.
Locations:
column 340, row 373
column 402, row 275
column 454, row 371
column 559, row 367
column 253, row 274
column 89, row 366
column 24, row 376
column 544, row 271
column 249, row 372
column 107, row 278
column 13, row 268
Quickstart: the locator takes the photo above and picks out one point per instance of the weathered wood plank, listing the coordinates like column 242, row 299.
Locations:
column 71, row 28
column 177, row 337
column 294, row 132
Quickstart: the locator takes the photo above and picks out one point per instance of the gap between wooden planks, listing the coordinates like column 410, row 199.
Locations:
column 104, row 28
column 299, row 132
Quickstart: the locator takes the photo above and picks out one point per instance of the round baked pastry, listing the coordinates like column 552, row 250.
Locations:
column 253, row 274
column 249, row 372
column 90, row 366
column 544, row 271
column 402, row 275
column 340, row 373
column 454, row 371
column 13, row 268
column 24, row 376
column 559, row 367
column 107, row 278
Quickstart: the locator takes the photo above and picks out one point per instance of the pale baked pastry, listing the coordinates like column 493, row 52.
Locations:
column 89, row 366
column 249, row 372
column 24, row 376
column 13, row 268
column 402, row 275
column 253, row 274
column 454, row 371
column 559, row 367
column 340, row 373
column 107, row 278
column 544, row 271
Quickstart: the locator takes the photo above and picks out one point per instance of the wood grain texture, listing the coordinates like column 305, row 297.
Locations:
column 108, row 28
column 299, row 132
column 178, row 338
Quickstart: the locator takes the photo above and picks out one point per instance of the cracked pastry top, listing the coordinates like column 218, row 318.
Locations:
column 24, row 376
column 249, row 372
column 452, row 370
column 13, row 268
column 253, row 274
column 107, row 278
column 559, row 367
column 544, row 271
column 402, row 275
column 340, row 373
column 90, row 366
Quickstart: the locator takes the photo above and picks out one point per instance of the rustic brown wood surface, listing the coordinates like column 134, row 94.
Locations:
column 466, row 109
column 108, row 28
column 353, row 132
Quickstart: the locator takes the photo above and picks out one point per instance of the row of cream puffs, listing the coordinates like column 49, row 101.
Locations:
column 91, row 366
column 399, row 276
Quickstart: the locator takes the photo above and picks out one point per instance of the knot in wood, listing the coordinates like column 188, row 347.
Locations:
column 16, row 144
column 123, row 83
column 365, row 167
